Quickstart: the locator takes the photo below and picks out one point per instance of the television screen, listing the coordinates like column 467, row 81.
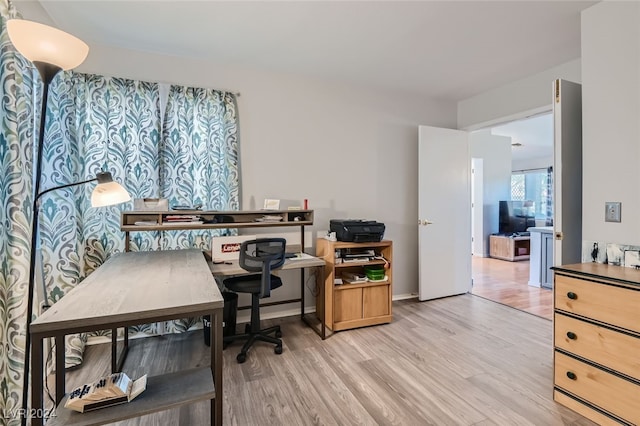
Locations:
column 516, row 216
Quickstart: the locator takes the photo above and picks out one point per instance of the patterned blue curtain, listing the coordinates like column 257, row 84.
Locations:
column 198, row 161
column 19, row 91
column 549, row 221
column 94, row 123
column 97, row 123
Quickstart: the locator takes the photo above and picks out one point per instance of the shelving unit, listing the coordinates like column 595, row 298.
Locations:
column 509, row 248
column 345, row 306
column 157, row 220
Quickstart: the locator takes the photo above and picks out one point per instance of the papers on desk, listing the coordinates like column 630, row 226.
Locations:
column 146, row 223
column 301, row 256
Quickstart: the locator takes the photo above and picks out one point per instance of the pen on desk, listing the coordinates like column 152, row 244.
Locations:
column 218, row 262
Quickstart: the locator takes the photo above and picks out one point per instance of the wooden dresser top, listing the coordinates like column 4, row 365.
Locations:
column 598, row 270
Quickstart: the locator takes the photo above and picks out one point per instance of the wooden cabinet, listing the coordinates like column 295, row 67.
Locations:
column 350, row 305
column 597, row 341
column 541, row 243
column 509, row 248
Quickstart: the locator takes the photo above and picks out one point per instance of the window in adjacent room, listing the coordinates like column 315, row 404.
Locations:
column 536, row 185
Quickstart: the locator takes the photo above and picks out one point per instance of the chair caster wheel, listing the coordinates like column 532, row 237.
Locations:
column 241, row 358
column 278, row 334
column 278, row 349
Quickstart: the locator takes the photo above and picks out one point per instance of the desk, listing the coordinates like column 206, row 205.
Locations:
column 145, row 221
column 129, row 289
column 225, row 270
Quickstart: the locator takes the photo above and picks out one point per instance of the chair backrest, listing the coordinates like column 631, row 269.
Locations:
column 263, row 255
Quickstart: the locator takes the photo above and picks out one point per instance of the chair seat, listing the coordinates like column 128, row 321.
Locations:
column 250, row 283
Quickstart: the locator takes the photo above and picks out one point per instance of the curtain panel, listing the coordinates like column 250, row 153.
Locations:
column 198, row 163
column 19, row 92
column 94, row 123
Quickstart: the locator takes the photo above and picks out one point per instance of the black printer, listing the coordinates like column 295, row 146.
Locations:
column 357, row 230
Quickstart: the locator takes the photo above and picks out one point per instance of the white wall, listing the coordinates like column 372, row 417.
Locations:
column 611, row 120
column 495, row 152
column 505, row 103
column 351, row 151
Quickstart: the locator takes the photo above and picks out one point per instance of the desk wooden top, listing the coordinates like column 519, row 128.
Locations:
column 135, row 288
column 223, row 269
column 616, row 273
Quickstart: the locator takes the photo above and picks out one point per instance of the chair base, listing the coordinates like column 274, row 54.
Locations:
column 253, row 336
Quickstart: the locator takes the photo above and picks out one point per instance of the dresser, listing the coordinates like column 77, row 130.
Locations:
column 597, row 341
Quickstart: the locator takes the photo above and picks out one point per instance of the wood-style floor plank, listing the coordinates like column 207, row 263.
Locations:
column 508, row 283
column 460, row 360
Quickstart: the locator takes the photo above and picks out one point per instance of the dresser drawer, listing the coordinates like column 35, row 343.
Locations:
column 613, row 305
column 612, row 349
column 607, row 391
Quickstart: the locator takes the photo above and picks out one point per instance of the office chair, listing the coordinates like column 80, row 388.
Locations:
column 260, row 255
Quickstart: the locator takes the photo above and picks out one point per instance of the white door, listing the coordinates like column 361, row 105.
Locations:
column 567, row 172
column 444, row 212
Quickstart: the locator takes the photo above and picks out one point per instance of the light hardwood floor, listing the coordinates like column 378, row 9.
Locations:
column 507, row 283
column 461, row 360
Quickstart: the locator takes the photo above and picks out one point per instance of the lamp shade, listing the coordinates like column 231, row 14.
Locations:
column 41, row 43
column 108, row 192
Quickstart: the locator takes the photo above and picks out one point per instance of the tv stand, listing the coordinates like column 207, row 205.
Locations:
column 511, row 248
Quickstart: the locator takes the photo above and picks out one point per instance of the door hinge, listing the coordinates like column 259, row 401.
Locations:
column 557, row 91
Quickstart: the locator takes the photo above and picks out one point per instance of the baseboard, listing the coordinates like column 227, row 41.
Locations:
column 405, row 296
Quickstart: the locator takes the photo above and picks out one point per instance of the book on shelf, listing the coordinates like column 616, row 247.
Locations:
column 182, row 222
column 146, row 223
column 181, row 217
column 109, row 390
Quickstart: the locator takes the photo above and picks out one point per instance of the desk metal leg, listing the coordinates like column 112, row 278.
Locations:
column 323, row 330
column 117, row 363
column 216, row 366
column 60, row 364
column 302, row 294
column 36, row 378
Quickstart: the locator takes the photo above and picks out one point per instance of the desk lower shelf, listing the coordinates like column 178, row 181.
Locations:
column 163, row 392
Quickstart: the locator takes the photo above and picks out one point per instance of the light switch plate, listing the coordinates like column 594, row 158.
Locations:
column 612, row 211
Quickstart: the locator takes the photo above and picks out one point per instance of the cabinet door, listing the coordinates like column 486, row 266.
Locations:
column 547, row 260
column 348, row 304
column 376, row 301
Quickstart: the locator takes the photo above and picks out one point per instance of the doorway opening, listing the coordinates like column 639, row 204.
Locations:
column 511, row 162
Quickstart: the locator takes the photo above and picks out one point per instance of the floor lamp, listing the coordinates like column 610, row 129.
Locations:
column 51, row 51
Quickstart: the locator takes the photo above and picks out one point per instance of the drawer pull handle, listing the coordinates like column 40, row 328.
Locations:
column 572, row 375
column 571, row 295
column 571, row 335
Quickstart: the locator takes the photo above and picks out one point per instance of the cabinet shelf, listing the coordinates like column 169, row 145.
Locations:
column 163, row 392
column 346, row 306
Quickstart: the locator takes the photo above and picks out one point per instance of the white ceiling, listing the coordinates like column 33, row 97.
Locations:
column 448, row 50
column 535, row 135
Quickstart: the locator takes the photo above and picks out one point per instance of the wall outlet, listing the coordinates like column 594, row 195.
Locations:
column 612, row 211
